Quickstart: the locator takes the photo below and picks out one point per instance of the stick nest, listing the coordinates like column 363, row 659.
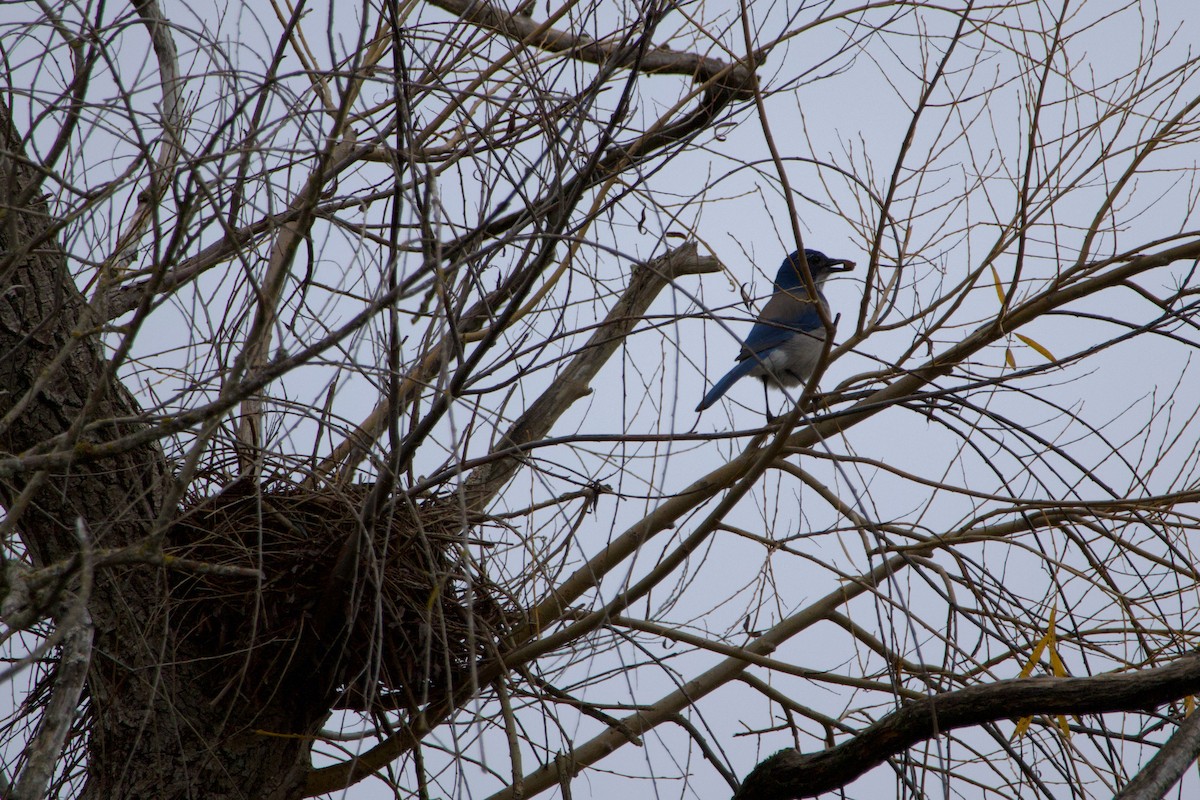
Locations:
column 379, row 612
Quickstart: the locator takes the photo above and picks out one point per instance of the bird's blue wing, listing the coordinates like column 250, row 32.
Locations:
column 782, row 318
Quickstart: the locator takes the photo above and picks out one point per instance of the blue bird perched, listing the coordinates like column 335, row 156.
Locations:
column 785, row 344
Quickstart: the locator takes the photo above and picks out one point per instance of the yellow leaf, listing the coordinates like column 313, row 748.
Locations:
column 999, row 286
column 1022, row 727
column 1056, row 664
column 1008, row 358
column 1045, row 353
column 1048, row 641
column 1027, row 670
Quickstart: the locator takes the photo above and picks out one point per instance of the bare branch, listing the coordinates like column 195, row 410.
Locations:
column 575, row 379
column 790, row 774
column 73, row 662
column 1163, row 771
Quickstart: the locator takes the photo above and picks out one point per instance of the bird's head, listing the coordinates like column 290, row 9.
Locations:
column 820, row 266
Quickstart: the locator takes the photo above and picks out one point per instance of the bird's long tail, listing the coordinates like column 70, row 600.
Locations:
column 722, row 386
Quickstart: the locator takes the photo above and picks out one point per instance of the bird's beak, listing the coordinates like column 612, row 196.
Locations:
column 841, row 265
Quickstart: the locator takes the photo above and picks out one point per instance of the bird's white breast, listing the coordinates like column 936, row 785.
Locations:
column 792, row 362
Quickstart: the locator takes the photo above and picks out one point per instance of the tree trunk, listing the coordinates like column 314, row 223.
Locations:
column 167, row 717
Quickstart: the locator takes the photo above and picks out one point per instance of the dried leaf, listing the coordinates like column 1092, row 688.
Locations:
column 999, row 286
column 1045, row 353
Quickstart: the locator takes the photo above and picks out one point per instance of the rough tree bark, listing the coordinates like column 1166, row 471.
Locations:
column 161, row 727
column 790, row 774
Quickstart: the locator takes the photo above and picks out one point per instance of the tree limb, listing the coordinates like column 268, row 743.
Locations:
column 517, row 26
column 574, row 381
column 1168, row 765
column 791, row 774
column 73, row 663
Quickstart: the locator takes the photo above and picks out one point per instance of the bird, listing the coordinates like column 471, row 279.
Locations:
column 786, row 342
